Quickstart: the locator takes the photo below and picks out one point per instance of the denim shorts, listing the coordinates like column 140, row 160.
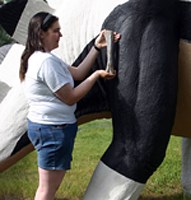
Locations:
column 54, row 144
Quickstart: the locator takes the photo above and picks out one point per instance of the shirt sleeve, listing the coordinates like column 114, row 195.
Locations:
column 54, row 74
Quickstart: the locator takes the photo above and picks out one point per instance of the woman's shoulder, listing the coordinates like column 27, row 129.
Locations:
column 47, row 58
column 42, row 55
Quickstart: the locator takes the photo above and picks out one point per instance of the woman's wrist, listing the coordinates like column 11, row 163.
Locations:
column 96, row 48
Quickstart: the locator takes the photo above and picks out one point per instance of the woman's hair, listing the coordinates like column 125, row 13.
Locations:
column 41, row 21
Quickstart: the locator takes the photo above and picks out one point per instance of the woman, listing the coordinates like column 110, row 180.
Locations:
column 52, row 97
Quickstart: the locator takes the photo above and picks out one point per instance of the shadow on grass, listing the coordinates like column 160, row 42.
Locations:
column 68, row 199
column 163, row 197
column 11, row 198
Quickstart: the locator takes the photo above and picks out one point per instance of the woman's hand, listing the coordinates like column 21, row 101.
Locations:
column 106, row 75
column 100, row 41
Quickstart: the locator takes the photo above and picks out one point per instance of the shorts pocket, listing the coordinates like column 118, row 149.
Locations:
column 35, row 138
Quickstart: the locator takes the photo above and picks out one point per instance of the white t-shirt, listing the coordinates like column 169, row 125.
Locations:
column 45, row 75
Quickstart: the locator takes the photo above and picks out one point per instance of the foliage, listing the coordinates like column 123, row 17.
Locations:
column 4, row 37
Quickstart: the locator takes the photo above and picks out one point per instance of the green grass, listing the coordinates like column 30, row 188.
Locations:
column 20, row 181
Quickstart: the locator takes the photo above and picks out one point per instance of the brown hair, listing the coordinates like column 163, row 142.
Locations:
column 41, row 21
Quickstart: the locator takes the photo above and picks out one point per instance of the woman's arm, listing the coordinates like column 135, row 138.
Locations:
column 80, row 72
column 70, row 95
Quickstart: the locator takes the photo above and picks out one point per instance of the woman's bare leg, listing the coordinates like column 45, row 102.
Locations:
column 49, row 182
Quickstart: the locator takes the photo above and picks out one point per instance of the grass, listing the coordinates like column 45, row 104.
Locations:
column 20, row 181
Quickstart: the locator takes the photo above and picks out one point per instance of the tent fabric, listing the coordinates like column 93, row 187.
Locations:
column 15, row 21
column 3, row 51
